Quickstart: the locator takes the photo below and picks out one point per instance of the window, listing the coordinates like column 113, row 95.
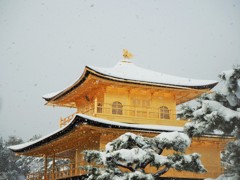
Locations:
column 141, row 102
column 145, row 103
column 164, row 112
column 99, row 108
column 117, row 108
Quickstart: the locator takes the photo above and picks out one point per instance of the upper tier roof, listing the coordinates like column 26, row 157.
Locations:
column 126, row 71
column 129, row 71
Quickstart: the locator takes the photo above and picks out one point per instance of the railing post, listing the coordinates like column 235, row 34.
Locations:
column 70, row 169
column 53, row 167
column 76, row 162
column 60, row 122
column 95, row 106
column 39, row 175
column 45, row 167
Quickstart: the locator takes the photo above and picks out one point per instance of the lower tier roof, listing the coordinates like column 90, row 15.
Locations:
column 84, row 120
column 82, row 124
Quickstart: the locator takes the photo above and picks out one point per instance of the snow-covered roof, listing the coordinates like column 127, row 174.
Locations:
column 129, row 71
column 126, row 71
column 93, row 121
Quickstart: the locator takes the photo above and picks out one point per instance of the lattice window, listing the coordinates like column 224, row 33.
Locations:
column 141, row 102
column 117, row 108
column 99, row 108
column 164, row 112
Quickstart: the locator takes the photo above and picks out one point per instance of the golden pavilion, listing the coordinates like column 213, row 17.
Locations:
column 112, row 101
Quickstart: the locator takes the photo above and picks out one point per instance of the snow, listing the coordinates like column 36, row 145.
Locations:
column 173, row 136
column 217, row 109
column 50, row 95
column 130, row 155
column 173, row 140
column 136, row 127
column 187, row 158
column 159, row 159
column 125, row 139
column 128, row 70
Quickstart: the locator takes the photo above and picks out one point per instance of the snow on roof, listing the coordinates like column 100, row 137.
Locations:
column 49, row 95
column 133, row 126
column 128, row 70
column 85, row 119
column 27, row 144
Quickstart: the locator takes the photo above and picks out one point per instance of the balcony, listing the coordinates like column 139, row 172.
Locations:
column 59, row 172
column 129, row 114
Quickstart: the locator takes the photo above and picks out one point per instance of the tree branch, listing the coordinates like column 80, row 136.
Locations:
column 129, row 168
column 143, row 166
column 161, row 150
column 163, row 171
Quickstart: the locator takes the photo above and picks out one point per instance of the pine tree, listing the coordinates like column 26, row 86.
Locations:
column 3, row 160
column 10, row 169
column 14, row 167
column 134, row 153
column 219, row 111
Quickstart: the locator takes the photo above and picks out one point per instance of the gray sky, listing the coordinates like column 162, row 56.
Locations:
column 44, row 46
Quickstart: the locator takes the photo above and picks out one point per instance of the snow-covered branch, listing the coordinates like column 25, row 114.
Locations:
column 220, row 113
column 213, row 116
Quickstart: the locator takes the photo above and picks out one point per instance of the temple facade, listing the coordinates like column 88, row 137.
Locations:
column 112, row 101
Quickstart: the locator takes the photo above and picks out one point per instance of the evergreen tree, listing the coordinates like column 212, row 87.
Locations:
column 9, row 168
column 14, row 167
column 128, row 156
column 3, row 160
column 219, row 112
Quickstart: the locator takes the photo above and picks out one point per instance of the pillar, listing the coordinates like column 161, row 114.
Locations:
column 53, row 167
column 76, row 162
column 95, row 106
column 45, row 167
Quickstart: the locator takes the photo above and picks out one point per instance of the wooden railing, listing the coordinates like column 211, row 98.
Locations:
column 126, row 113
column 63, row 171
column 135, row 111
column 65, row 121
column 35, row 176
column 106, row 110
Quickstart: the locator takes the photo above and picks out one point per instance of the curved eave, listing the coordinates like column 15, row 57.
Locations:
column 69, row 89
column 81, row 120
column 88, row 71
column 96, row 122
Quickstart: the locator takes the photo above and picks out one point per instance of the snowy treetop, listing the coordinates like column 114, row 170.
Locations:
column 231, row 88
